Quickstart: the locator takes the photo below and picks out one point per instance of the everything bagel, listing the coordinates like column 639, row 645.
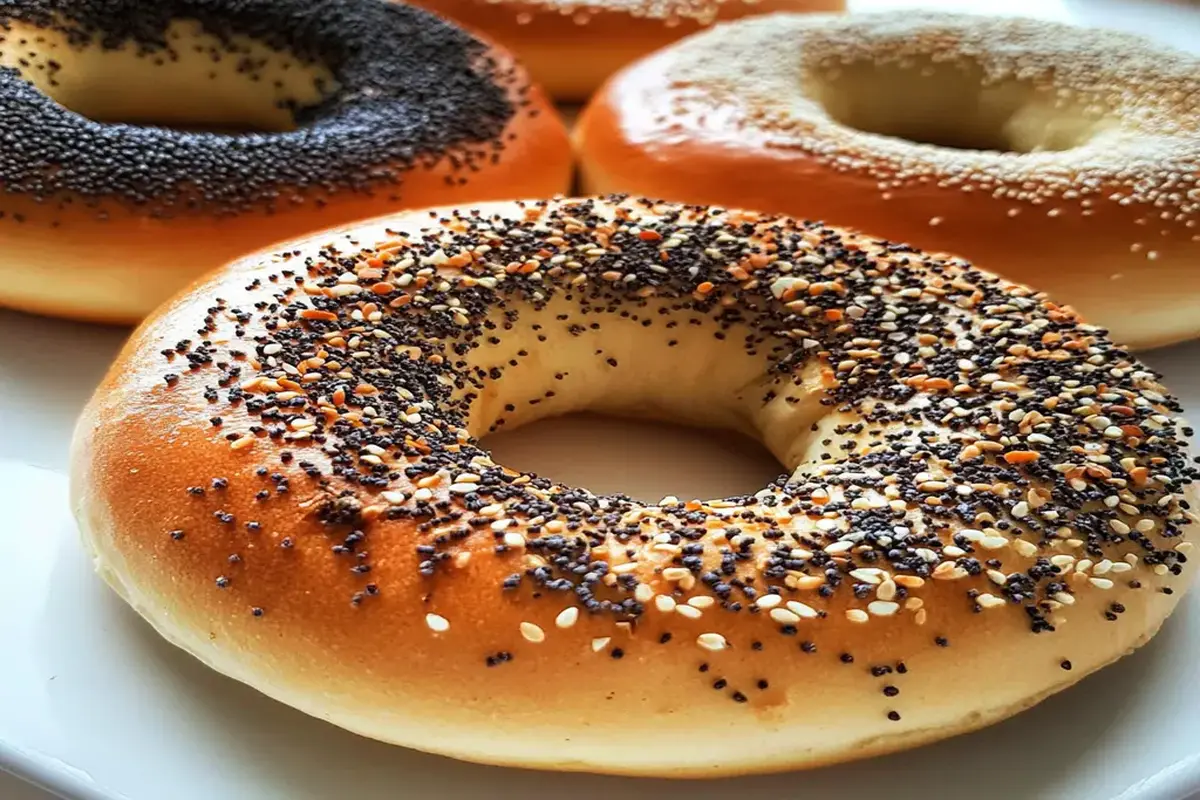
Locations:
column 984, row 498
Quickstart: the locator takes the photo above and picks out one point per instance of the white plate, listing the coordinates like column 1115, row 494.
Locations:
column 93, row 706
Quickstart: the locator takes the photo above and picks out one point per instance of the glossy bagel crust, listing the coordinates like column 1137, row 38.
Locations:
column 116, row 191
column 1086, row 183
column 571, row 47
column 985, row 500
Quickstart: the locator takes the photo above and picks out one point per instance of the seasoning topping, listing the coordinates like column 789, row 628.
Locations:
column 376, row 404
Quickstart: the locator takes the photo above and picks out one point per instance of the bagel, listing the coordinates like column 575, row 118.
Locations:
column 985, row 500
column 571, row 46
column 1064, row 158
column 320, row 117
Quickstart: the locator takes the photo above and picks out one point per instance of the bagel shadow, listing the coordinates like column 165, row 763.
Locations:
column 303, row 758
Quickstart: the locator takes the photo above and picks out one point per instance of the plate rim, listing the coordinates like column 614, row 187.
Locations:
column 1177, row 781
column 53, row 775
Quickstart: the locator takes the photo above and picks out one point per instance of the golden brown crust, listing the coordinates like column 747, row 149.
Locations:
column 116, row 270
column 571, row 48
column 103, row 244
column 762, row 114
column 197, row 531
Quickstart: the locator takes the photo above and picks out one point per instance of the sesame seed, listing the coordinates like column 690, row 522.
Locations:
column 872, row 576
column 784, row 617
column 567, row 617
column 532, row 633
column 802, row 610
column 712, row 641
column 437, row 623
column 1025, row 548
column 883, row 608
column 768, row 601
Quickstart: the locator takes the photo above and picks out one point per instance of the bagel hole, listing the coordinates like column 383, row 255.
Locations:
column 198, row 84
column 645, row 460
column 950, row 105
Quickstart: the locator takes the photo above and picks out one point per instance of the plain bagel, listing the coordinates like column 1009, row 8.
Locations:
column 111, row 201
column 1060, row 157
column 985, row 499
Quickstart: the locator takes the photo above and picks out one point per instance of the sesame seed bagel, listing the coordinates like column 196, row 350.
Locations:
column 146, row 142
column 984, row 499
column 1064, row 158
column 571, row 46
